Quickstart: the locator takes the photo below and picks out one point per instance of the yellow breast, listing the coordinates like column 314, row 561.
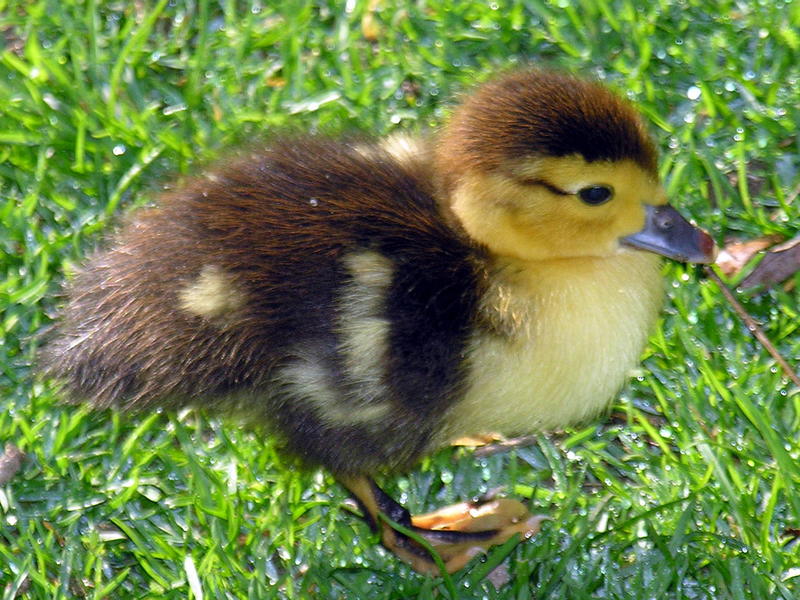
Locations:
column 566, row 333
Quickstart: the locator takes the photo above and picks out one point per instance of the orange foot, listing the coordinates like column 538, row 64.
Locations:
column 457, row 533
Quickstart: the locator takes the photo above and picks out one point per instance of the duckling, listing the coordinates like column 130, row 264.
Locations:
column 371, row 300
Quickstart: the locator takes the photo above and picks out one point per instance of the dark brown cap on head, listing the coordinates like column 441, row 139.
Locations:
column 545, row 113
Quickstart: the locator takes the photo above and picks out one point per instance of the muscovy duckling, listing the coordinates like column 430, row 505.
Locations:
column 370, row 301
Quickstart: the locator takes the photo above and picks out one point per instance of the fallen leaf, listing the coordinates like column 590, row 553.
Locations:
column 475, row 441
column 499, row 576
column 792, row 532
column 59, row 538
column 10, row 463
column 503, row 445
column 780, row 263
column 369, row 24
column 734, row 256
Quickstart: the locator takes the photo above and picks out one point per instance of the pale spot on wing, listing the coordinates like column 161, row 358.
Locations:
column 363, row 327
column 213, row 295
column 311, row 382
column 406, row 150
column 362, row 397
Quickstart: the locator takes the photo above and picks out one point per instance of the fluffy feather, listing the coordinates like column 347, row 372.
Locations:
column 368, row 300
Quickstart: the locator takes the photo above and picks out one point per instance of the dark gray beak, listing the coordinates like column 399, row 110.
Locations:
column 667, row 233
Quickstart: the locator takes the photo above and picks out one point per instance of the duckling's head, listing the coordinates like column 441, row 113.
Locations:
column 540, row 165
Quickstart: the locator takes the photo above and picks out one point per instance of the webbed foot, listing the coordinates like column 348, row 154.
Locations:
column 457, row 533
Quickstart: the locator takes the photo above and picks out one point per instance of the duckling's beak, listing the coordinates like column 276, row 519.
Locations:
column 667, row 233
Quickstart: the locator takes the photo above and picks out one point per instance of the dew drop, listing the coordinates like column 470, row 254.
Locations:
column 51, row 101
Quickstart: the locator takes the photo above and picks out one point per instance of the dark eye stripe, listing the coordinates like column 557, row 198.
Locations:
column 592, row 195
column 545, row 184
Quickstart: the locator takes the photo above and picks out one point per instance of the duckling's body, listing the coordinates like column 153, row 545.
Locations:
column 370, row 301
column 565, row 336
column 313, row 284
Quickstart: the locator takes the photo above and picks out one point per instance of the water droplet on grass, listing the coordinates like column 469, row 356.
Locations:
column 51, row 101
column 170, row 110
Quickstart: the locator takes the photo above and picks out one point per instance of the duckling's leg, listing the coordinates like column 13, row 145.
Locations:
column 458, row 533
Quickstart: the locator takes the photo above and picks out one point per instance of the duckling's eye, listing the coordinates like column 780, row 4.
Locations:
column 596, row 194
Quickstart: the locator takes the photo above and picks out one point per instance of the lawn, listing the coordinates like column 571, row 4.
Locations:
column 689, row 488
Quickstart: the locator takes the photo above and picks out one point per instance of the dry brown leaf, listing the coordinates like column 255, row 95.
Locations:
column 59, row 538
column 10, row 463
column 503, row 445
column 734, row 256
column 499, row 576
column 475, row 441
column 780, row 263
column 369, row 24
column 276, row 82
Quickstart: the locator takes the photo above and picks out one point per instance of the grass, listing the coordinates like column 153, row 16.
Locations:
column 688, row 490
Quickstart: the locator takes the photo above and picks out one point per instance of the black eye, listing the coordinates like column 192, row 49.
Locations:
column 596, row 194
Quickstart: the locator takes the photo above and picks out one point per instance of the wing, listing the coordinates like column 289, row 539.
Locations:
column 316, row 283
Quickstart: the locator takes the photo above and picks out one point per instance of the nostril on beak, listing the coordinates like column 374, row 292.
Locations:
column 664, row 221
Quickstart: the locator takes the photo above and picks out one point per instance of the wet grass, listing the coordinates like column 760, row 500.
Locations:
column 688, row 490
